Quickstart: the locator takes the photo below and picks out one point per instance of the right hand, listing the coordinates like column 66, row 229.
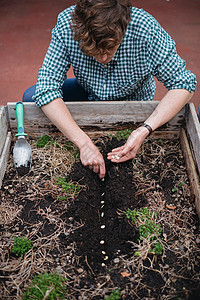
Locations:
column 92, row 158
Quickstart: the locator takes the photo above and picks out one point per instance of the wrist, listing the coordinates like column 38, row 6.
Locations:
column 82, row 141
column 147, row 128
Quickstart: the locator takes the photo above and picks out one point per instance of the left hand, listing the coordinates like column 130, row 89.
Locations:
column 130, row 148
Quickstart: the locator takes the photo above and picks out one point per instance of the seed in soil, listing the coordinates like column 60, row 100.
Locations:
column 103, row 226
column 102, row 214
column 102, row 242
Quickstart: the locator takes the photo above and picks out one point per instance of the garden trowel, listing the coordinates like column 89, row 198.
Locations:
column 22, row 154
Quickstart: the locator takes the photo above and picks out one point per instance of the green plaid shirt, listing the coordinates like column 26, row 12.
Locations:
column 146, row 51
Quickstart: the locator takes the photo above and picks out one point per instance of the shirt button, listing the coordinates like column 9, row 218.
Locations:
column 104, row 86
column 105, row 66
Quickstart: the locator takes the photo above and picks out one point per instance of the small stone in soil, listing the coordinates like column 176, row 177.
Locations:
column 80, row 270
column 116, row 260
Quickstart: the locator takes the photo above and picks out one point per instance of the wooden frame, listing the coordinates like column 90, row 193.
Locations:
column 111, row 115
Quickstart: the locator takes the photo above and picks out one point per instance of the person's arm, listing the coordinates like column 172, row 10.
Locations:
column 168, row 107
column 60, row 116
column 169, row 68
column 49, row 97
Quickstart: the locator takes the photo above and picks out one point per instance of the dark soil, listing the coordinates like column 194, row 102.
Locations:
column 77, row 248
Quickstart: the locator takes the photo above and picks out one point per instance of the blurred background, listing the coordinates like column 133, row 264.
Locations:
column 25, row 33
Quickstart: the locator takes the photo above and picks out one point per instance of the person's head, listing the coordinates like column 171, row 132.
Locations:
column 99, row 25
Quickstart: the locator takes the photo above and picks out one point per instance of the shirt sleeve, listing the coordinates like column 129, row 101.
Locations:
column 165, row 64
column 53, row 72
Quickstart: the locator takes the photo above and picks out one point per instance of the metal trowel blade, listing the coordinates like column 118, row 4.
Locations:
column 22, row 156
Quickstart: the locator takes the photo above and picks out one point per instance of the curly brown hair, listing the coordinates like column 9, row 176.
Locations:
column 99, row 25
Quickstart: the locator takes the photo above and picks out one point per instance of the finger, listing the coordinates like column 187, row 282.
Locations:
column 102, row 170
column 96, row 168
column 117, row 150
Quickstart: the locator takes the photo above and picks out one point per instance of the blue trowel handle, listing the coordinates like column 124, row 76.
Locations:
column 20, row 118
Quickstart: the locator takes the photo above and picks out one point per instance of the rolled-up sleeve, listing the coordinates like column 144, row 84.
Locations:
column 53, row 72
column 165, row 64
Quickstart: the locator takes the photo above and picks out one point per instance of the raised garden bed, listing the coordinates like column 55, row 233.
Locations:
column 133, row 236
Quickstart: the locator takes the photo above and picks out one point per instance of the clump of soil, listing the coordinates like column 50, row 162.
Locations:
column 87, row 238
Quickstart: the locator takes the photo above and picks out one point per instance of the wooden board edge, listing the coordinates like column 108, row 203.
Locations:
column 192, row 173
column 99, row 115
column 3, row 127
column 4, row 157
column 193, row 131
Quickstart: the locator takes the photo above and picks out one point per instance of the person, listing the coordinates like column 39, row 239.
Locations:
column 116, row 51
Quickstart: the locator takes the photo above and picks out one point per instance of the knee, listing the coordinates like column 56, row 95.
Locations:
column 28, row 94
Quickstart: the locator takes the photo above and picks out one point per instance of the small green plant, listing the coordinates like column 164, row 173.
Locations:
column 68, row 188
column 21, row 246
column 115, row 295
column 145, row 221
column 70, row 147
column 43, row 141
column 123, row 134
column 175, row 189
column 49, row 286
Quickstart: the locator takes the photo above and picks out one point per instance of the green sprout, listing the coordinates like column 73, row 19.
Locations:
column 70, row 147
column 49, row 286
column 115, row 295
column 123, row 134
column 145, row 221
column 175, row 189
column 43, row 141
column 69, row 189
column 21, row 246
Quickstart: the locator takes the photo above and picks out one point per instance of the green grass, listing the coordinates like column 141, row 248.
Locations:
column 123, row 134
column 68, row 188
column 73, row 149
column 115, row 295
column 145, row 221
column 49, row 286
column 43, row 141
column 21, row 246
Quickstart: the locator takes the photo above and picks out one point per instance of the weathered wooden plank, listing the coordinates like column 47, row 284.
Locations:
column 99, row 115
column 192, row 173
column 4, row 157
column 193, row 131
column 3, row 127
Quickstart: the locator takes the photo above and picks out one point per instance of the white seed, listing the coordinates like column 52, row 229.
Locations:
column 113, row 156
column 102, row 206
column 103, row 226
column 106, row 258
column 102, row 195
column 117, row 157
column 102, row 202
column 102, row 179
column 102, row 242
column 103, row 252
column 103, row 265
column 102, row 214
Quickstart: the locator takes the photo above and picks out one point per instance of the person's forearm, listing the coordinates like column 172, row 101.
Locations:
column 168, row 107
column 59, row 115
